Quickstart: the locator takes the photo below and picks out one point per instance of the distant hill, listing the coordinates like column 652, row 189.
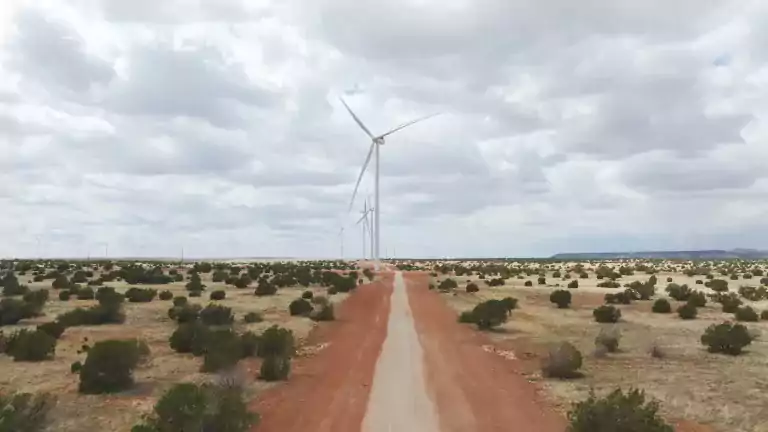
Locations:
column 713, row 254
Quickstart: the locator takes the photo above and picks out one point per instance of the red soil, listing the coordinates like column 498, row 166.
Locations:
column 473, row 390
column 328, row 392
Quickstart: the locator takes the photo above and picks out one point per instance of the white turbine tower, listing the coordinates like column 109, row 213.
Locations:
column 341, row 241
column 367, row 209
column 376, row 142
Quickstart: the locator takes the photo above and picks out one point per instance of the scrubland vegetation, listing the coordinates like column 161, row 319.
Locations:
column 641, row 343
column 151, row 346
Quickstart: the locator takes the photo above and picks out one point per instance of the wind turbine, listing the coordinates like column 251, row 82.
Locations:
column 376, row 142
column 366, row 226
column 341, row 241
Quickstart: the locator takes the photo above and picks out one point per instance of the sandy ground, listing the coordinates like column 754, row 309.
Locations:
column 399, row 399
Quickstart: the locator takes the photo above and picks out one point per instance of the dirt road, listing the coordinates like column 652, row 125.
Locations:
column 399, row 361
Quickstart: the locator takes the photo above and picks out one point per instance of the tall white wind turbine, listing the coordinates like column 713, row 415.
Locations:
column 367, row 229
column 376, row 142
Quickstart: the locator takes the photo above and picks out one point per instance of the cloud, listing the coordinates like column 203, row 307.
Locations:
column 216, row 127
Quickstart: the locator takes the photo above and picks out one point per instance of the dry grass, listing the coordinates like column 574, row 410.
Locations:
column 148, row 321
column 729, row 393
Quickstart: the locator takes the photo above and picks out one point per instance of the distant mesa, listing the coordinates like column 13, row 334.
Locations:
column 712, row 254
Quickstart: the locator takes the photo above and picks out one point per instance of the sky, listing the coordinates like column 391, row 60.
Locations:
column 141, row 128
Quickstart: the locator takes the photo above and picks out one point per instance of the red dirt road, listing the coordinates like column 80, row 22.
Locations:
column 473, row 390
column 328, row 392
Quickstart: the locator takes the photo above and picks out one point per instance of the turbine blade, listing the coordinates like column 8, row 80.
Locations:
column 357, row 120
column 360, row 177
column 408, row 124
column 362, row 218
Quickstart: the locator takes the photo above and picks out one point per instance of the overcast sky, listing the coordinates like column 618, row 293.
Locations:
column 215, row 126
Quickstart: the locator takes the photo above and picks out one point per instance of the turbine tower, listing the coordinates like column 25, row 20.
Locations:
column 367, row 209
column 341, row 241
column 376, row 142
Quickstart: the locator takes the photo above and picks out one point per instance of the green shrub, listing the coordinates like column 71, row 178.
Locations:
column 678, row 292
column 53, row 328
column 718, row 285
column 190, row 337
column 608, row 339
column 561, row 298
column 140, row 295
column 489, row 314
column 276, row 341
column 222, row 351
column 165, row 295
column 323, row 313
column 726, row 338
column 108, row 311
column 218, row 295
column 746, row 314
column 13, row 310
column 214, row 314
column 606, row 314
column 447, row 285
column 109, row 366
column 183, row 314
column 180, row 301
column 253, row 317
column 466, row 317
column 563, row 360
column 472, row 287
column 85, row 293
column 249, row 342
column 764, row 315
column 60, row 282
column 687, row 311
column 307, row 295
column 509, row 303
column 195, row 283
column 528, row 283
column 25, row 412
column 275, row 368
column 31, row 346
column 661, row 306
column 300, row 306
column 697, row 299
column 617, row 411
column 64, row 295
column 729, row 301
column 265, row 288
column 573, row 284
column 195, row 293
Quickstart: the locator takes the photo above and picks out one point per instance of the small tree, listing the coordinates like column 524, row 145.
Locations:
column 489, row 314
column 561, row 298
column 275, row 368
column 300, row 306
column 726, row 338
column 606, row 314
column 214, row 314
column 109, row 366
column 617, row 412
column 661, row 306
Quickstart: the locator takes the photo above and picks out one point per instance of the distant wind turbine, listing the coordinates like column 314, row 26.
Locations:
column 376, row 142
column 341, row 241
column 367, row 231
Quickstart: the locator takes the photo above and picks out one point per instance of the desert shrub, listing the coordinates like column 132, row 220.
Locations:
column 190, row 337
column 108, row 311
column 608, row 339
column 275, row 368
column 12, row 311
column 218, row 295
column 746, row 314
column 249, row 344
column 35, row 301
column 687, row 311
column 195, row 293
column 192, row 407
column 324, row 313
column 180, row 301
column 265, row 288
column 307, row 295
column 165, row 295
column 186, row 313
column 623, row 297
column 53, row 328
column 617, row 411
column 563, row 360
column 109, row 366
column 753, row 293
column 31, row 346
column 541, row 280
column 195, row 283
column 489, row 314
column 573, row 284
column 661, row 306
column 276, row 342
column 214, row 314
column 85, row 293
column 222, row 351
column 472, row 287
column 645, row 291
column 606, row 314
column 509, row 303
column 299, row 306
column 697, row 299
column 730, row 301
column 319, row 300
column 726, row 338
column 609, row 284
column 243, row 281
column 764, row 315
column 64, row 295
column 678, row 292
column 466, row 317
column 528, row 283
column 447, row 285
column 60, row 282
column 253, row 317
column 25, row 412
column 140, row 295
column 561, row 298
